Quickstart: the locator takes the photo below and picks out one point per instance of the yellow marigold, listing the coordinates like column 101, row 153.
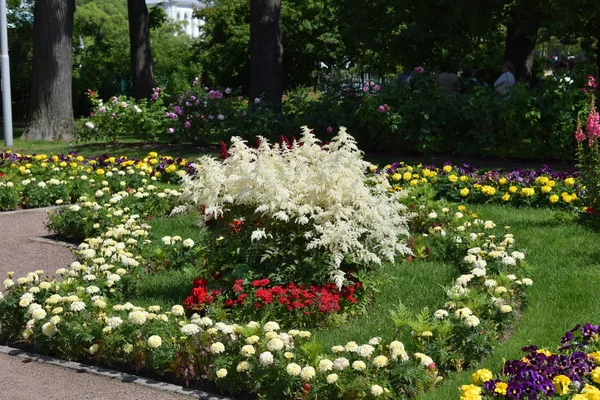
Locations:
column 170, row 169
column 553, row 199
column 527, row 192
column 464, row 192
column 100, row 171
column 424, row 180
column 561, row 384
column 477, row 185
column 153, row 161
column 414, row 182
column 79, row 158
column 387, row 166
column 111, row 160
column 506, row 197
column 447, row 168
column 407, row 176
column 153, row 154
column 463, row 178
column 570, row 181
column 470, row 392
column 396, row 177
column 551, row 183
column 567, row 198
column 596, row 356
column 595, row 375
column 501, row 388
column 409, row 168
column 62, row 164
column 502, row 181
column 546, row 189
column 481, row 376
column 541, row 180
column 512, row 189
column 462, row 208
column 452, row 178
column 55, row 158
column 488, row 190
column 183, row 162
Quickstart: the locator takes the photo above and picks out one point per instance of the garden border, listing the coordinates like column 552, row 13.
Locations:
column 111, row 374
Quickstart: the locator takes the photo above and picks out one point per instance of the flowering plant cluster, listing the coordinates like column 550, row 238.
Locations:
column 123, row 116
column 81, row 313
column 572, row 371
column 40, row 180
column 283, row 201
column 300, row 304
column 588, row 153
column 203, row 115
column 465, row 183
column 483, row 300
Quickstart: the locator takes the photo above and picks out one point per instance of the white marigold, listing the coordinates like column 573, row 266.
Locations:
column 190, row 329
column 154, row 341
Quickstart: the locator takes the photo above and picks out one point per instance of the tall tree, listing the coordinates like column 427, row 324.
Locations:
column 51, row 108
column 266, row 52
column 142, row 71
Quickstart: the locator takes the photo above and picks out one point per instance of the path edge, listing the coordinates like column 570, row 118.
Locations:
column 110, row 373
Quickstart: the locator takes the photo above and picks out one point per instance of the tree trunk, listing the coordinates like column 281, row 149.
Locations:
column 266, row 52
column 142, row 70
column 521, row 36
column 51, row 103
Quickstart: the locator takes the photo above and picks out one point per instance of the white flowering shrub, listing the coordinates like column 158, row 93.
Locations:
column 305, row 212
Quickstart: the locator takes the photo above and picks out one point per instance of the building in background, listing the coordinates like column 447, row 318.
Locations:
column 182, row 10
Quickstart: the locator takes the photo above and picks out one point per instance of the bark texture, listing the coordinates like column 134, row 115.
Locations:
column 521, row 36
column 51, row 103
column 142, row 70
column 266, row 52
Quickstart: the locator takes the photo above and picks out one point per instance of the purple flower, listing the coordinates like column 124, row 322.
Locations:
column 329, row 129
column 219, row 95
column 381, row 109
column 212, row 94
column 192, row 98
column 256, row 100
column 187, row 124
column 227, row 90
column 170, row 130
column 377, row 88
column 419, row 69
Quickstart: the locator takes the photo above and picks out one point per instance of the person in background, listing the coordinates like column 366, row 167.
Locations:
column 468, row 81
column 506, row 80
column 481, row 77
column 448, row 81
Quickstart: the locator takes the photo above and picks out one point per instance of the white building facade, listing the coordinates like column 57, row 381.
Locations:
column 182, row 10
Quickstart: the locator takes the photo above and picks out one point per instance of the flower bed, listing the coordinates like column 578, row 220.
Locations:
column 572, row 371
column 464, row 183
column 84, row 311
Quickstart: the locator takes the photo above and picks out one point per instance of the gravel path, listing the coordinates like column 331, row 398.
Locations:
column 24, row 380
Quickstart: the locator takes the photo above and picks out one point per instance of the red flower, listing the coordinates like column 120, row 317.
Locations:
column 260, row 282
column 200, row 283
column 264, row 295
column 238, row 286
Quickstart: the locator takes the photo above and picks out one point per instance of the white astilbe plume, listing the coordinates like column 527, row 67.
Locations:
column 324, row 189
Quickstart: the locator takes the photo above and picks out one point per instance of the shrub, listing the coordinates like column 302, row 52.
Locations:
column 272, row 211
column 123, row 116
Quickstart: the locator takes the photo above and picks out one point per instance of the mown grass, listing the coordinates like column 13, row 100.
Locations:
column 564, row 260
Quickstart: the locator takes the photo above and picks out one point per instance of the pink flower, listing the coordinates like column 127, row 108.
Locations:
column 212, row 94
column 187, row 124
column 381, row 109
column 329, row 129
column 377, row 88
column 579, row 135
column 365, row 89
column 170, row 130
column 419, row 69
